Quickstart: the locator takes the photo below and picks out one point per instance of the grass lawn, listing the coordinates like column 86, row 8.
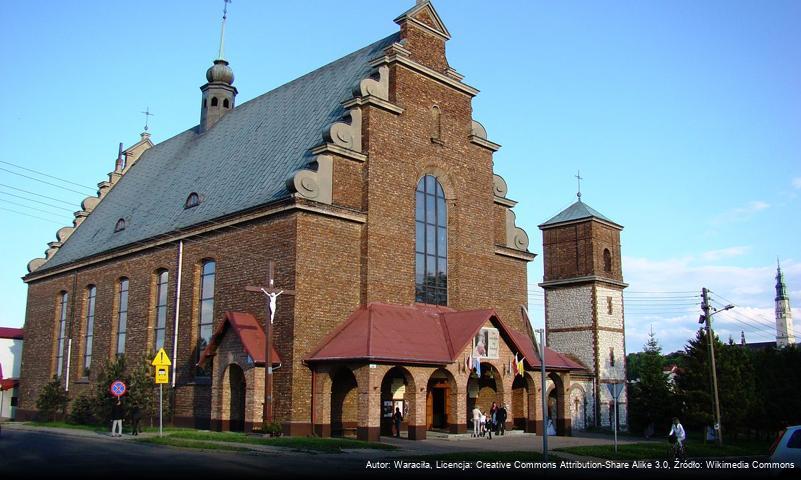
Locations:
column 485, row 457
column 322, row 445
column 180, row 442
column 660, row 450
column 75, row 426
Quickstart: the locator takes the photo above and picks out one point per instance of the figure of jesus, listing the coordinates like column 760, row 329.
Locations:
column 273, row 297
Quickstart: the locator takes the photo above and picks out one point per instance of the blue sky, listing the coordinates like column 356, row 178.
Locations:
column 683, row 117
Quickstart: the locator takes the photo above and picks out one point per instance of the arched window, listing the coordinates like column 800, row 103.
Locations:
column 162, row 281
column 91, row 294
column 607, row 260
column 120, row 225
column 122, row 315
column 206, row 308
column 214, row 101
column 193, row 200
column 62, row 330
column 226, row 104
column 431, row 250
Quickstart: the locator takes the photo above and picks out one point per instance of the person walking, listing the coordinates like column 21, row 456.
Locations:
column 117, row 414
column 136, row 416
column 502, row 415
column 476, row 421
column 397, row 418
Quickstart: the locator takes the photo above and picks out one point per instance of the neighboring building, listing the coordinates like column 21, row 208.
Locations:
column 10, row 359
column 391, row 228
column 671, row 371
column 583, row 282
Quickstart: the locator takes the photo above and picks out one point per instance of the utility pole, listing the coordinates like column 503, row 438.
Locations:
column 707, row 318
column 541, row 351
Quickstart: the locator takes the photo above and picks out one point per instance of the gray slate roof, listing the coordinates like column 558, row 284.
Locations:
column 577, row 211
column 242, row 162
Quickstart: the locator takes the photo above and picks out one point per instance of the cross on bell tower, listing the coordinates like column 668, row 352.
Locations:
column 219, row 94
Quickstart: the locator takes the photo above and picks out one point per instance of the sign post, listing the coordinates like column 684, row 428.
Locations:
column 614, row 391
column 161, row 362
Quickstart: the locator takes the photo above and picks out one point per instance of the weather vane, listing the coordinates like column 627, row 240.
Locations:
column 147, row 115
column 580, row 178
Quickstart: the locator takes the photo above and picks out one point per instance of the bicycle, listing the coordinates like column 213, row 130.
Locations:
column 677, row 451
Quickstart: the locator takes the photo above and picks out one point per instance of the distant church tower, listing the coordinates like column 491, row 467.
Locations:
column 584, row 285
column 784, row 316
column 219, row 94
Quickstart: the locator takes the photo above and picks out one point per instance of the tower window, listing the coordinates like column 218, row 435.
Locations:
column 611, row 357
column 607, row 260
column 120, row 225
column 90, row 328
column 193, row 200
column 609, row 305
column 226, row 103
column 436, row 123
column 214, row 101
column 431, row 250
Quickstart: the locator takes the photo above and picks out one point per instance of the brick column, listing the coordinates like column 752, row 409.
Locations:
column 564, row 421
column 369, row 401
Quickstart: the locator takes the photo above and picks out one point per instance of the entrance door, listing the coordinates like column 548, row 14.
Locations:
column 237, row 406
column 438, row 406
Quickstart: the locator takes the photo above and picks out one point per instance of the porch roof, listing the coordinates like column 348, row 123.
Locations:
column 250, row 333
column 421, row 334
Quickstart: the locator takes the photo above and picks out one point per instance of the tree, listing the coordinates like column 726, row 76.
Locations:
column 52, row 401
column 652, row 398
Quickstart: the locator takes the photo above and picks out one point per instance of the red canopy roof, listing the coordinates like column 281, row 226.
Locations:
column 420, row 334
column 250, row 334
column 8, row 383
column 12, row 333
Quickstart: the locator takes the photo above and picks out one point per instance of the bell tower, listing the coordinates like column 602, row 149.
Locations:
column 784, row 316
column 219, row 93
column 583, row 283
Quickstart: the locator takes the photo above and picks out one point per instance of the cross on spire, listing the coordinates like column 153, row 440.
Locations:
column 580, row 178
column 147, row 115
column 222, row 29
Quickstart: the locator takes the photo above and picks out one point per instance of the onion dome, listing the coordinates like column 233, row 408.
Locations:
column 220, row 72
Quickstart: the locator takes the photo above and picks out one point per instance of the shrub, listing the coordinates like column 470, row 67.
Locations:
column 52, row 401
column 83, row 409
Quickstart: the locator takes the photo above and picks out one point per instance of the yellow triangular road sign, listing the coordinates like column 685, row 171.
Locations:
column 161, row 360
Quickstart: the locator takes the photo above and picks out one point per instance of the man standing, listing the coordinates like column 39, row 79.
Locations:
column 117, row 414
column 501, row 425
column 397, row 418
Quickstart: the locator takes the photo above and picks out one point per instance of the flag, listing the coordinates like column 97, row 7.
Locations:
column 520, row 366
column 478, row 367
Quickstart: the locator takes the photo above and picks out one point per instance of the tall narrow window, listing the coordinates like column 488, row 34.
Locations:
column 436, row 123
column 431, row 250
column 611, row 357
column 91, row 293
column 162, row 278
column 207, row 274
column 62, row 331
column 122, row 316
column 607, row 260
column 609, row 309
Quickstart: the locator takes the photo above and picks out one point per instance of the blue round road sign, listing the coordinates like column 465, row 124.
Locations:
column 118, row 388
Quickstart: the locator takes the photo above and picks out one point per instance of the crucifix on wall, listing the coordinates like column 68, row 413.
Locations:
column 272, row 295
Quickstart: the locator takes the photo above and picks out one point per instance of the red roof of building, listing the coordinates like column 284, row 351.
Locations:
column 250, row 334
column 421, row 334
column 9, row 383
column 12, row 333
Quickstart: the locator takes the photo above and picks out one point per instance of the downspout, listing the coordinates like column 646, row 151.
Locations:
column 177, row 311
column 313, row 392
column 72, row 322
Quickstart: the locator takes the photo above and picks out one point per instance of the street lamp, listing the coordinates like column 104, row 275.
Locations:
column 706, row 317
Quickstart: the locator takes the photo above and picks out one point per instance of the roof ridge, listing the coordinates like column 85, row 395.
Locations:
column 446, row 333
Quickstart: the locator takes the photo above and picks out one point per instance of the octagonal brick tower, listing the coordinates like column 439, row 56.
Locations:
column 583, row 283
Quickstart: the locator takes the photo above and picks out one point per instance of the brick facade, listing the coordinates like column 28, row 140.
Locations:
column 338, row 256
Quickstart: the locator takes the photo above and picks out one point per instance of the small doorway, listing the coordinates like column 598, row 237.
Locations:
column 236, row 383
column 438, row 404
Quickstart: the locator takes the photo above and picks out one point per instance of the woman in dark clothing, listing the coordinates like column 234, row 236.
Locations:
column 117, row 414
column 136, row 416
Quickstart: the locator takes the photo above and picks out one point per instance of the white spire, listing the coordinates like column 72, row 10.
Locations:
column 221, row 55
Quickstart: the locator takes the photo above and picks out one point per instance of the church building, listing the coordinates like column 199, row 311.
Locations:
column 393, row 241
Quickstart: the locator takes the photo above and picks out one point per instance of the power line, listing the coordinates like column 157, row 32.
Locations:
column 42, row 181
column 27, row 206
column 37, row 194
column 35, row 201
column 47, row 175
column 29, row 215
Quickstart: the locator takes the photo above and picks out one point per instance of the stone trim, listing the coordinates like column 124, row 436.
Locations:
column 516, row 237
column 482, row 142
column 504, row 201
column 500, row 189
column 425, row 71
column 584, row 329
column 587, row 279
column 581, row 220
column 478, row 136
column 516, row 254
column 296, row 204
column 375, row 102
column 330, row 148
column 346, row 135
column 440, row 31
column 317, row 185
